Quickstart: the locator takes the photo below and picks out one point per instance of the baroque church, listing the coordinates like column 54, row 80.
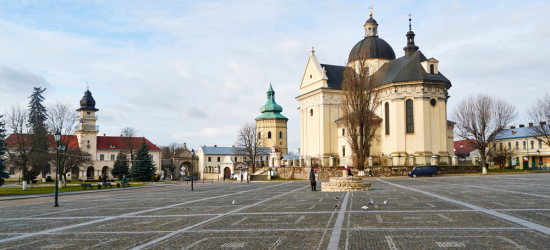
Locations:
column 413, row 96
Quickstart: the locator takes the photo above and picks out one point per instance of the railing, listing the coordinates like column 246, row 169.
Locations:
column 89, row 127
column 88, row 117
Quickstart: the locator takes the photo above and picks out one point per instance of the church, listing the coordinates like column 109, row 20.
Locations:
column 413, row 95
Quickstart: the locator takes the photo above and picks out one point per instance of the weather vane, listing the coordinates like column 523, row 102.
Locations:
column 410, row 15
column 370, row 7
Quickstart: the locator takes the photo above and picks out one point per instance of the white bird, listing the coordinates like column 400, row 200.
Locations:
column 385, row 202
column 337, row 198
column 371, row 202
column 364, row 207
column 233, row 202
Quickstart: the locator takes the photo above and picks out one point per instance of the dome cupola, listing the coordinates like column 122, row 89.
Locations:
column 371, row 47
column 271, row 109
column 87, row 102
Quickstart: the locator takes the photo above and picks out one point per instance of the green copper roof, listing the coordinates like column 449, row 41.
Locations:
column 271, row 109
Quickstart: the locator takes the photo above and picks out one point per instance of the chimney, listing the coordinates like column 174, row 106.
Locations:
column 530, row 124
column 298, row 150
column 521, row 125
column 232, row 146
column 103, row 135
column 215, row 146
column 512, row 127
column 542, row 123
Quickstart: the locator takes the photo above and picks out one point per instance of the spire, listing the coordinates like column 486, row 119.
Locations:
column 411, row 47
column 312, row 53
column 271, row 109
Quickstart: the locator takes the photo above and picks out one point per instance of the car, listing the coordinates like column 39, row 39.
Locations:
column 187, row 178
column 234, row 176
column 424, row 170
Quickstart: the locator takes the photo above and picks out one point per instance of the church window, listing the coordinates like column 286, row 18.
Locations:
column 410, row 116
column 269, row 135
column 280, row 134
column 432, row 69
column 387, row 117
column 370, row 32
column 311, row 112
column 344, row 151
column 310, row 76
column 343, row 132
column 433, row 102
column 374, row 31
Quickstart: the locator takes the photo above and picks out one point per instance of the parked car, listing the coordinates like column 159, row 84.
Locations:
column 424, row 170
column 234, row 176
column 187, row 178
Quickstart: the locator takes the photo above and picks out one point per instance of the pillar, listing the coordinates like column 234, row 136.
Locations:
column 345, row 173
column 370, row 161
column 301, row 161
column 475, row 161
column 308, row 161
column 434, row 160
column 330, row 161
column 411, row 160
column 455, row 160
column 390, row 160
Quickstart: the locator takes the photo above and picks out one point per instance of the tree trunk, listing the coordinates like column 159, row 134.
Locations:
column 483, row 165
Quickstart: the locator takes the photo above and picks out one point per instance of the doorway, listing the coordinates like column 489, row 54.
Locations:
column 227, row 173
column 90, row 173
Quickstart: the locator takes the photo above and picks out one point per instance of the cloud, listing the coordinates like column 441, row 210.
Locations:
column 19, row 80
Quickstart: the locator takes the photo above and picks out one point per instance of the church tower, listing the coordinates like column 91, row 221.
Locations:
column 271, row 125
column 87, row 129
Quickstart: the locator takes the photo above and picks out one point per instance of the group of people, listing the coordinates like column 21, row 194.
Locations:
column 314, row 177
column 123, row 180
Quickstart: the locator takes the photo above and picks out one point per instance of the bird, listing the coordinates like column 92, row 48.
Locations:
column 186, row 208
column 385, row 202
column 337, row 197
column 371, row 202
column 364, row 207
column 335, row 206
column 233, row 202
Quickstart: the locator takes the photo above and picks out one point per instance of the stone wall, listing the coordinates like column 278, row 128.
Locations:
column 326, row 172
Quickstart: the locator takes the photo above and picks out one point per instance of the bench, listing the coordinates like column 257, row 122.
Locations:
column 87, row 186
column 108, row 184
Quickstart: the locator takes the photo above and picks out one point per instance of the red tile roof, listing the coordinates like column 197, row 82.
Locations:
column 105, row 142
column 466, row 148
column 72, row 140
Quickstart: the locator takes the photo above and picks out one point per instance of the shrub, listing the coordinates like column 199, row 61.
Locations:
column 49, row 179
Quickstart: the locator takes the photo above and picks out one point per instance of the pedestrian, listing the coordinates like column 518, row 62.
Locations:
column 104, row 179
column 370, row 172
column 349, row 172
column 316, row 179
column 312, row 179
column 124, row 181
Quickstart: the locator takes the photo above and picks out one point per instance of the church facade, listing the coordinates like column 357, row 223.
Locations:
column 413, row 96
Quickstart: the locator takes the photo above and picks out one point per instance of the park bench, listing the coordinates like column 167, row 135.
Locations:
column 108, row 184
column 87, row 186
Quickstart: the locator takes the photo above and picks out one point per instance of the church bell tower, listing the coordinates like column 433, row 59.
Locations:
column 271, row 125
column 87, row 129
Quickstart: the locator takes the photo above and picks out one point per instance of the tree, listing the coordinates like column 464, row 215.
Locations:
column 3, row 145
column 171, row 150
column 479, row 119
column 249, row 143
column 539, row 113
column 500, row 156
column 128, row 134
column 121, row 166
column 20, row 150
column 39, row 131
column 61, row 117
column 359, row 118
column 143, row 167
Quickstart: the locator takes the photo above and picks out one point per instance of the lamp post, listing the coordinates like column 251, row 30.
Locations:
column 540, row 160
column 57, row 137
column 399, row 162
column 192, row 166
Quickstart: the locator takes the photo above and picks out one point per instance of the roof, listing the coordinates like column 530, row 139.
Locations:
column 229, row 150
column 11, row 141
column 465, row 150
column 371, row 20
column 87, row 102
column 335, row 75
column 105, row 142
column 371, row 47
column 514, row 133
column 271, row 109
column 407, row 69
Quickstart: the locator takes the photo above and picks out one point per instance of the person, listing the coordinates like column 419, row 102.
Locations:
column 312, row 179
column 316, row 179
column 349, row 172
column 370, row 172
column 124, row 181
column 104, row 179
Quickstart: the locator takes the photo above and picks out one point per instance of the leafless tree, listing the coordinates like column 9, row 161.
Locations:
column 127, row 134
column 20, row 150
column 62, row 118
column 539, row 113
column 359, row 118
column 171, row 150
column 479, row 119
column 500, row 156
column 249, row 143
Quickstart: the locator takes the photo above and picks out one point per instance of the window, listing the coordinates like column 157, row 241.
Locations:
column 344, row 151
column 409, row 115
column 387, row 118
column 112, row 146
column 259, row 135
column 280, row 134
column 367, row 70
column 343, row 132
column 517, row 145
column 101, row 157
column 432, row 69
column 540, row 144
column 374, row 31
column 87, row 158
column 532, row 144
column 433, row 102
column 500, row 146
column 49, row 170
column 370, row 31
column 310, row 76
column 219, row 159
column 209, row 159
column 12, row 170
column 311, row 112
column 509, row 146
column 269, row 135
column 112, row 157
column 88, row 113
column 235, row 159
column 524, row 145
column 494, row 146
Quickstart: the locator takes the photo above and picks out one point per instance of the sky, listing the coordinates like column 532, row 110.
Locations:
column 196, row 71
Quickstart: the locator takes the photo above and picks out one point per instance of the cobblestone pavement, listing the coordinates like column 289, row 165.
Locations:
column 458, row 212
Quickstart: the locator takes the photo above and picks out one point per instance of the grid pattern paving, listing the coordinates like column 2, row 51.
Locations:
column 459, row 212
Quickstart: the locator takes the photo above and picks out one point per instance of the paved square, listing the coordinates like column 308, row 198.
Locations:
column 458, row 212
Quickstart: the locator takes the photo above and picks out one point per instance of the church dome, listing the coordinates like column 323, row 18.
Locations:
column 371, row 47
column 87, row 102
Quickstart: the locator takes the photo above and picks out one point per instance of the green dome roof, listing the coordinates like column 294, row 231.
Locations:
column 271, row 109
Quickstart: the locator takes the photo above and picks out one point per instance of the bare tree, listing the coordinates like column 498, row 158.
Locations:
column 479, row 119
column 62, row 118
column 171, row 150
column 539, row 113
column 249, row 144
column 501, row 155
column 20, row 150
column 359, row 118
column 127, row 134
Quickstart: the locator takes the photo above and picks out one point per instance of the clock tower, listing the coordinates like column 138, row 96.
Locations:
column 87, row 129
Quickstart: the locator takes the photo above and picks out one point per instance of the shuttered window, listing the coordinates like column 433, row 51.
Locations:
column 387, row 117
column 410, row 117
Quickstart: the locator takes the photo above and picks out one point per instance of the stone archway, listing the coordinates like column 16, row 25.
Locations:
column 75, row 171
column 188, row 168
column 105, row 171
column 90, row 173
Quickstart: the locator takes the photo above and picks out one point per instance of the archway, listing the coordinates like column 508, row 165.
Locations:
column 90, row 173
column 105, row 171
column 227, row 173
column 74, row 173
column 188, row 168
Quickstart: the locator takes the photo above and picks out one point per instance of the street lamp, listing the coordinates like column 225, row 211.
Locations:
column 399, row 163
column 192, row 166
column 57, row 137
column 540, row 160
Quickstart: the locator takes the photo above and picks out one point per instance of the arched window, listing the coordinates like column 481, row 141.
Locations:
column 280, row 134
column 387, row 117
column 269, row 135
column 311, row 112
column 409, row 116
column 343, row 132
column 374, row 31
column 370, row 32
column 432, row 69
column 259, row 135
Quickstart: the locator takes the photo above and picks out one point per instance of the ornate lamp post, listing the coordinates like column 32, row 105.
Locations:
column 192, row 166
column 540, row 160
column 57, row 137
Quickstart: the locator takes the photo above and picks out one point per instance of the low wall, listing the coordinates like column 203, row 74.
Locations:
column 258, row 177
column 326, row 172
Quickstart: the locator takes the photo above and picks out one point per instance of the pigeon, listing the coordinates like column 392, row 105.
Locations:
column 335, row 206
column 371, row 202
column 364, row 207
column 336, row 198
column 385, row 202
column 233, row 202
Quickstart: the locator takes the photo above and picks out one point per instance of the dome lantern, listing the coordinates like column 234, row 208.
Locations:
column 371, row 26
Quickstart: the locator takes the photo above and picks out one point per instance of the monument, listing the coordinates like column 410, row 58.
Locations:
column 345, row 184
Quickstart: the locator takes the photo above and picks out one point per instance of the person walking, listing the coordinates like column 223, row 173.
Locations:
column 124, row 181
column 349, row 172
column 104, row 179
column 312, row 179
column 316, row 179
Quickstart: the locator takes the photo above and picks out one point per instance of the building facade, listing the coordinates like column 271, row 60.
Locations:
column 412, row 104
column 521, row 148
column 219, row 162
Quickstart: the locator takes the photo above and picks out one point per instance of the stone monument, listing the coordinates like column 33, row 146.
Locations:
column 345, row 184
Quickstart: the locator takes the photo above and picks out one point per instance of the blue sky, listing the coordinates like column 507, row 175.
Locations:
column 195, row 71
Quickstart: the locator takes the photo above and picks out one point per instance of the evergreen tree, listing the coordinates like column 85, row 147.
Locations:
column 121, row 166
column 37, row 122
column 3, row 145
column 143, row 168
